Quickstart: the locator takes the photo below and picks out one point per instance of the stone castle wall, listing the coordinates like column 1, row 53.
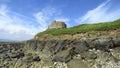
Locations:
column 57, row 24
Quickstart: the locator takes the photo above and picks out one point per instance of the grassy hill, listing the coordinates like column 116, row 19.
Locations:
column 84, row 28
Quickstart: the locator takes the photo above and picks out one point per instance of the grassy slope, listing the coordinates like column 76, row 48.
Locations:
column 83, row 28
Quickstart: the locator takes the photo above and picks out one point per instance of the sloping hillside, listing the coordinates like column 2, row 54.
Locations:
column 84, row 28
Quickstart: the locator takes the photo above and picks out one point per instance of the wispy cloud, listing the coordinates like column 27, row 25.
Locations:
column 46, row 15
column 11, row 26
column 19, row 27
column 102, row 13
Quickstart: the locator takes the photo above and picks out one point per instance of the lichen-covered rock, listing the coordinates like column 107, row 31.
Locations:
column 76, row 63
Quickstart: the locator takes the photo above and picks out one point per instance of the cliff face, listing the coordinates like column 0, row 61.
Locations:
column 83, row 50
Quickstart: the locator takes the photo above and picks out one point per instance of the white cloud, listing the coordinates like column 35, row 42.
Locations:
column 11, row 27
column 47, row 14
column 19, row 27
column 101, row 13
column 3, row 10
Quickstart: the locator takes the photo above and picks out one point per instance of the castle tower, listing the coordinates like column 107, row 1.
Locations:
column 57, row 24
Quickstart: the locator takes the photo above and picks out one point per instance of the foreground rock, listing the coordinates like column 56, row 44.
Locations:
column 83, row 52
column 76, row 63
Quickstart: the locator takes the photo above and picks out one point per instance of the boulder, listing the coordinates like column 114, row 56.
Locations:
column 63, row 56
column 76, row 63
column 17, row 55
column 80, row 46
column 31, row 58
column 116, row 53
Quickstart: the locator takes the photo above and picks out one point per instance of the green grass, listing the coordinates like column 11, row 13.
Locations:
column 84, row 28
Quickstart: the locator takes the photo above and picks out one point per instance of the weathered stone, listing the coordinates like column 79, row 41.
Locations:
column 88, row 55
column 3, row 50
column 80, row 46
column 5, row 57
column 91, row 51
column 75, row 63
column 116, row 53
column 17, row 55
column 63, row 56
column 36, row 58
column 31, row 58
column 60, row 65
column 57, row 24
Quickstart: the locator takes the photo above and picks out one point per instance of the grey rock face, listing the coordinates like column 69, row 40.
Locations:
column 97, row 52
column 63, row 56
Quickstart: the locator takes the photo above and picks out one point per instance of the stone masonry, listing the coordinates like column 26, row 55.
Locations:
column 57, row 24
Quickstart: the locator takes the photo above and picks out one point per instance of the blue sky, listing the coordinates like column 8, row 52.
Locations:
column 22, row 19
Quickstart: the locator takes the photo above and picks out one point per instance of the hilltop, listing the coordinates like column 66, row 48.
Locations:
column 84, row 28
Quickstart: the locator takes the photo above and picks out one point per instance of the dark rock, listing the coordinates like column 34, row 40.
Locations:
column 6, row 57
column 17, row 55
column 28, row 59
column 116, row 42
column 63, row 56
column 32, row 44
column 3, row 50
column 101, row 43
column 52, row 44
column 80, row 46
column 31, row 58
column 40, row 46
column 36, row 58
column 60, row 46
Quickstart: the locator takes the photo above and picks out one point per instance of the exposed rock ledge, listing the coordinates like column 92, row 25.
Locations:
column 78, row 35
column 84, row 52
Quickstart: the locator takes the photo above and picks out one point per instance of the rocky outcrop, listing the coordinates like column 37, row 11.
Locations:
column 101, row 51
column 92, row 51
column 57, row 24
column 92, row 34
column 89, row 51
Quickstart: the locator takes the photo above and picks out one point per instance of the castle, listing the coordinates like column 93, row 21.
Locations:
column 57, row 24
